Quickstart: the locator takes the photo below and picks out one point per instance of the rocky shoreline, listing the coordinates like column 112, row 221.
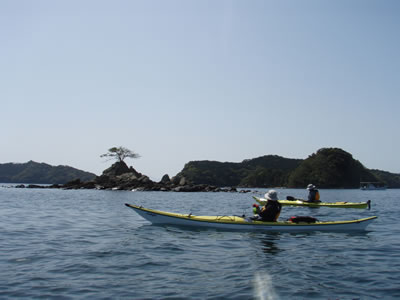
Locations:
column 120, row 177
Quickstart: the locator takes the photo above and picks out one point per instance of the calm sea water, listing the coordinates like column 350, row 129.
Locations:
column 86, row 244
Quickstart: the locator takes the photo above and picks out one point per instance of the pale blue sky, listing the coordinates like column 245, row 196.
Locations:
column 178, row 81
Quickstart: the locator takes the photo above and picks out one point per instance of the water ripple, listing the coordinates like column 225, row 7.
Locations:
column 87, row 245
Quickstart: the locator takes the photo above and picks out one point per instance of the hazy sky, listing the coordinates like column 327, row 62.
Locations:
column 186, row 80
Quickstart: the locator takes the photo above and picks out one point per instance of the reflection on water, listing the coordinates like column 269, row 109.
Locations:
column 269, row 243
column 362, row 234
column 263, row 287
column 270, row 247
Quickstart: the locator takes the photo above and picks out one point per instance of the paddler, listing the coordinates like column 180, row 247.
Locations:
column 313, row 193
column 272, row 209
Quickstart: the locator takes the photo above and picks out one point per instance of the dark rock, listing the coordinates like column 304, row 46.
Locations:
column 120, row 177
column 165, row 179
column 88, row 185
column 116, row 169
column 244, row 191
column 35, row 186
column 76, row 182
column 55, row 186
column 144, row 179
column 175, row 180
column 126, row 177
column 102, row 179
column 178, row 189
column 134, row 172
column 20, row 186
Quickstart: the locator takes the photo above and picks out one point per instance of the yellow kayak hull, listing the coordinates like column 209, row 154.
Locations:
column 299, row 202
column 241, row 223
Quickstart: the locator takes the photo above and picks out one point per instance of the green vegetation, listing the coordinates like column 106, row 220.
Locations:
column 327, row 168
column 120, row 153
column 33, row 172
column 390, row 179
column 265, row 171
column 330, row 168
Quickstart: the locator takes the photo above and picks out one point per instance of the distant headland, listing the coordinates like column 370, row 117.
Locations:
column 41, row 173
column 327, row 168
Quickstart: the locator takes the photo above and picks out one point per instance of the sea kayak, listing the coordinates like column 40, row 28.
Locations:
column 242, row 223
column 299, row 202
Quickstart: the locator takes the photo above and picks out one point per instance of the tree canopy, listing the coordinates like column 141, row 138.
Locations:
column 330, row 168
column 265, row 171
column 327, row 168
column 120, row 153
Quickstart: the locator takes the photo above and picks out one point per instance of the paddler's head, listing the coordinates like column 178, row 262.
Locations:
column 311, row 187
column 271, row 195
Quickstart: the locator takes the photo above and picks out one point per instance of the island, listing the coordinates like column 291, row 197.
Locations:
column 326, row 168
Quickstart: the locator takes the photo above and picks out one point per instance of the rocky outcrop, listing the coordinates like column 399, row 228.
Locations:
column 120, row 177
column 120, row 168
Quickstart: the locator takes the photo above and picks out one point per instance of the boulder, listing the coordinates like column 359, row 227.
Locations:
column 165, row 179
column 178, row 189
column 182, row 181
column 175, row 180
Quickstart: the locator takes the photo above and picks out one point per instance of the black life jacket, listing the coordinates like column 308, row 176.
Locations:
column 270, row 212
column 313, row 196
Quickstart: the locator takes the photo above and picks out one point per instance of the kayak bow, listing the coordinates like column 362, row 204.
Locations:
column 299, row 202
column 241, row 223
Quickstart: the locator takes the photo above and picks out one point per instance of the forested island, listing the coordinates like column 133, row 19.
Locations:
column 327, row 168
column 41, row 173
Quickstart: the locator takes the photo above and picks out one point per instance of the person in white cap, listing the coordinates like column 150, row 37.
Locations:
column 313, row 193
column 272, row 209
